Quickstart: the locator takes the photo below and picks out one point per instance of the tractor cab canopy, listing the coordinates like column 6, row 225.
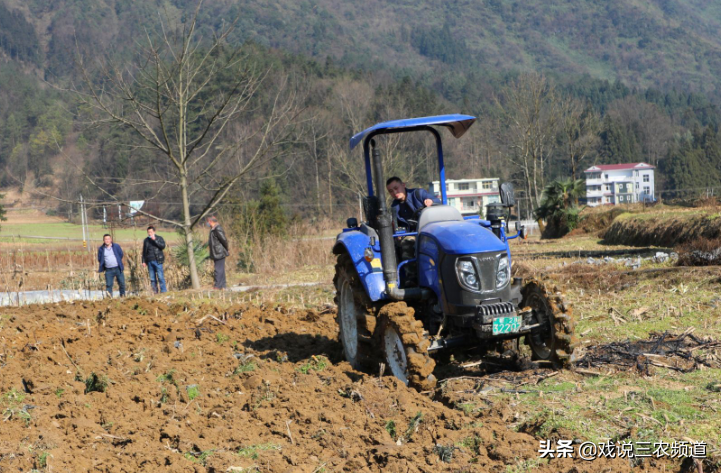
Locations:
column 457, row 124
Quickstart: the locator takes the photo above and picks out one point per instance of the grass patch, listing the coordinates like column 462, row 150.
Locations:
column 391, row 429
column 413, row 425
column 167, row 378
column 95, row 383
column 444, row 452
column 42, row 461
column 253, row 451
column 471, row 443
column 316, row 363
column 12, row 402
column 221, row 338
column 468, row 408
column 192, row 391
column 245, row 366
column 523, row 466
column 199, row 457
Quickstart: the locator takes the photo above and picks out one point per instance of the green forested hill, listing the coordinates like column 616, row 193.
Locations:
column 660, row 43
column 657, row 43
column 644, row 79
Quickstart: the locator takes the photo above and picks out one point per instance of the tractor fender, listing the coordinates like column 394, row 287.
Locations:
column 354, row 243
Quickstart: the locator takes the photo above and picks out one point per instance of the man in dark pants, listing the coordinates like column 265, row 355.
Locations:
column 218, row 247
column 110, row 257
column 406, row 202
column 153, row 259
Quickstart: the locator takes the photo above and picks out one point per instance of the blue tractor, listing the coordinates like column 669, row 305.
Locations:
column 463, row 295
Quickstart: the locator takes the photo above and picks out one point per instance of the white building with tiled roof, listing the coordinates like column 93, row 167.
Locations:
column 470, row 196
column 611, row 184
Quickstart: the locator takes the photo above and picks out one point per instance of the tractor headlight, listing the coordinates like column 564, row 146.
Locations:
column 467, row 275
column 503, row 274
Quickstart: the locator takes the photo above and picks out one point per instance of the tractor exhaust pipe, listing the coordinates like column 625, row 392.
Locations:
column 385, row 234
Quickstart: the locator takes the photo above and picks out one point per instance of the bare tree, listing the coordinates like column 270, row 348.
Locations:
column 531, row 116
column 195, row 103
column 652, row 127
column 580, row 126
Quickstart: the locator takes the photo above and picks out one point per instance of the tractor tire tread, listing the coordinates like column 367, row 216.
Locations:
column 413, row 335
column 565, row 341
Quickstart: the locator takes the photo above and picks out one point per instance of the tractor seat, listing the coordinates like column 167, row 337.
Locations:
column 439, row 213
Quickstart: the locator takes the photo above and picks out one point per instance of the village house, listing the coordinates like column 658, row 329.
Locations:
column 470, row 196
column 611, row 184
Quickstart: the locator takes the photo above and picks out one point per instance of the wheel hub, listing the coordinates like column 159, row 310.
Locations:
column 395, row 354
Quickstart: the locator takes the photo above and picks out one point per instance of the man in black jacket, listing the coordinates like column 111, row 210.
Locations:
column 218, row 247
column 153, row 259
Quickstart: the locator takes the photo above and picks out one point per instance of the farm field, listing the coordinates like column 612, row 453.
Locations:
column 23, row 224
column 141, row 385
column 256, row 381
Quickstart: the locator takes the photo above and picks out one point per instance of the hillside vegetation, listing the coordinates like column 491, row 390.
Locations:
column 620, row 81
column 661, row 43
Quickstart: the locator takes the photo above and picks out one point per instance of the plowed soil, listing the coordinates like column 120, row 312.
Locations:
column 143, row 385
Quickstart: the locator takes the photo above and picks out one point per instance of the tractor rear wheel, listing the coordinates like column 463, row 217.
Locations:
column 405, row 346
column 353, row 307
column 554, row 339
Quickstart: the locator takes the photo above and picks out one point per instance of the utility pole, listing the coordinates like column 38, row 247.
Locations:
column 82, row 221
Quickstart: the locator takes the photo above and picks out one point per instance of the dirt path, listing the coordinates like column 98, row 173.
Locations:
column 141, row 385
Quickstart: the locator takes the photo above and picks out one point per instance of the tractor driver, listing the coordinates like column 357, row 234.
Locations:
column 406, row 202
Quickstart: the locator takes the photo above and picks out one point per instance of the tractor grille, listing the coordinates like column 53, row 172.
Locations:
column 501, row 308
column 487, row 266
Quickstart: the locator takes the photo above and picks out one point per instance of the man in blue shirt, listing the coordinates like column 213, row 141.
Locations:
column 406, row 202
column 110, row 258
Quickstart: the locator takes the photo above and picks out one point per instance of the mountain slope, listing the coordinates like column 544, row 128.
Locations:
column 659, row 43
column 662, row 43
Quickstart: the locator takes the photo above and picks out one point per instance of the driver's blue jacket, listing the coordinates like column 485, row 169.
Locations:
column 405, row 211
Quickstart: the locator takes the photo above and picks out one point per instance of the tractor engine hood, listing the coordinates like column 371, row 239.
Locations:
column 462, row 238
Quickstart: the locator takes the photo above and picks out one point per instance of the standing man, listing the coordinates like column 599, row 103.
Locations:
column 110, row 257
column 218, row 246
column 153, row 258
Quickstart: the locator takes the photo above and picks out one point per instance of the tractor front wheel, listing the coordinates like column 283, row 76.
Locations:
column 553, row 340
column 405, row 346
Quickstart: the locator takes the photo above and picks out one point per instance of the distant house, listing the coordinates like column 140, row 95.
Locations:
column 619, row 184
column 470, row 196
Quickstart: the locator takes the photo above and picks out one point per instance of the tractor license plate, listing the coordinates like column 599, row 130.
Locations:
column 506, row 325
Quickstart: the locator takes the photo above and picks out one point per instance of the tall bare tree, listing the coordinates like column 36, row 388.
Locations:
column 580, row 126
column 194, row 102
column 531, row 118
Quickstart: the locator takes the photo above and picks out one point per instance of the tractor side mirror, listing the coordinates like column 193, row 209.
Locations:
column 508, row 196
column 521, row 230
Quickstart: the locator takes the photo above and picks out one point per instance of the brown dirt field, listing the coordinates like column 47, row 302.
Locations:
column 250, row 389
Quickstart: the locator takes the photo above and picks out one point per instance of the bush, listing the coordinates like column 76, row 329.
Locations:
column 200, row 250
column 559, row 207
